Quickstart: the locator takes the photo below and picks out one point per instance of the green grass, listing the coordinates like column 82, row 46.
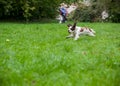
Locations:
column 39, row 55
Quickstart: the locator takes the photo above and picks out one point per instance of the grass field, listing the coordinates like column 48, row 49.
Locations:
column 38, row 54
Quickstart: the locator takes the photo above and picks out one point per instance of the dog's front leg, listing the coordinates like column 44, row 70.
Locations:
column 76, row 36
column 71, row 35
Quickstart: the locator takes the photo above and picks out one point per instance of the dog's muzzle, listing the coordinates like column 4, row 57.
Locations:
column 69, row 31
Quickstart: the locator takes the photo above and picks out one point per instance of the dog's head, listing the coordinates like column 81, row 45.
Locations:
column 71, row 28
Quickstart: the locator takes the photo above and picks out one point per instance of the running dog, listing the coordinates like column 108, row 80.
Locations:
column 76, row 31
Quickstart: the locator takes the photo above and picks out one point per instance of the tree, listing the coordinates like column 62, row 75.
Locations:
column 93, row 12
column 112, row 6
column 114, row 11
column 29, row 9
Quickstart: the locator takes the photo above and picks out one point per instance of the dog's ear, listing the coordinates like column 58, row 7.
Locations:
column 73, row 27
column 69, row 25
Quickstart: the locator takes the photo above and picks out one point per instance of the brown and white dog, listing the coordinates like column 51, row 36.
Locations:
column 76, row 31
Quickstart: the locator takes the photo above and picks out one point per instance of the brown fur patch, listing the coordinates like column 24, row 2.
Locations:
column 82, row 29
column 87, row 29
column 90, row 30
column 74, row 26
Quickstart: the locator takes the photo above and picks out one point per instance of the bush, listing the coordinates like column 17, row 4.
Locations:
column 115, row 17
column 28, row 9
column 85, row 14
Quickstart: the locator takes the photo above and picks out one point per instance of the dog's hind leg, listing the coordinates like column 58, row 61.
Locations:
column 76, row 37
column 91, row 34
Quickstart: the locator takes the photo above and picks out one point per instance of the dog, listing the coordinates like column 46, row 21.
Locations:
column 76, row 31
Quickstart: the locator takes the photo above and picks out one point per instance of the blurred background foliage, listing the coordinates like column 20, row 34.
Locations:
column 92, row 13
column 30, row 10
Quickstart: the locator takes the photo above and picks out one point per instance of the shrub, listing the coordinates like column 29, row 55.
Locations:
column 85, row 14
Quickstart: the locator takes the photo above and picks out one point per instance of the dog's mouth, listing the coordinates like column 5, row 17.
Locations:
column 69, row 31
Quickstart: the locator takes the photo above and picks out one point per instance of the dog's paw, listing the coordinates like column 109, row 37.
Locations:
column 93, row 35
column 75, row 39
column 66, row 37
